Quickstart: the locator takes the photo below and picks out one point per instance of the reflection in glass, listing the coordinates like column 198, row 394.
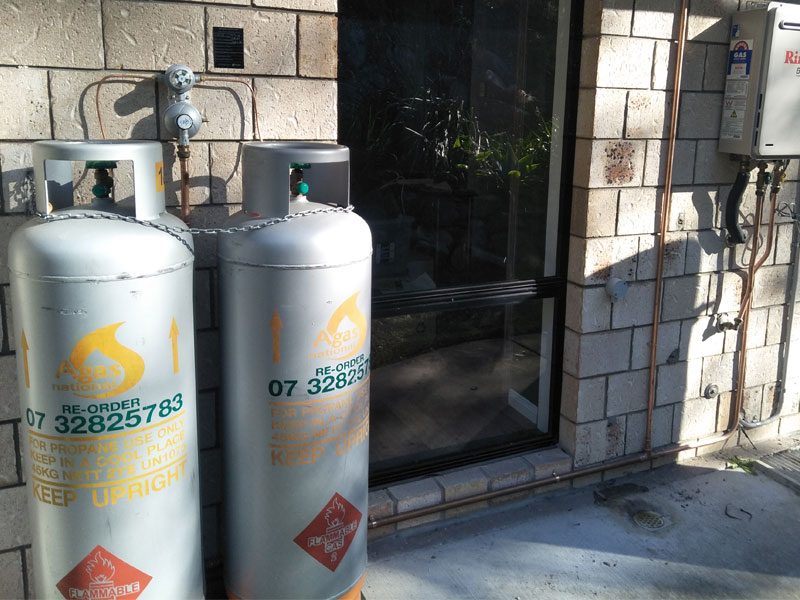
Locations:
column 447, row 107
column 447, row 382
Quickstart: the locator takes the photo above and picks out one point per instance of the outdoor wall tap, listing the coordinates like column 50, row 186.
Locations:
column 763, row 179
column 181, row 119
column 778, row 175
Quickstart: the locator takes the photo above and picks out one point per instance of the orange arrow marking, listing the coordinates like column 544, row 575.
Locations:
column 173, row 334
column 25, row 348
column 275, row 323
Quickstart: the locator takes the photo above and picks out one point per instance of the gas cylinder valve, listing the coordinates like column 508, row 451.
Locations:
column 297, row 186
column 103, row 187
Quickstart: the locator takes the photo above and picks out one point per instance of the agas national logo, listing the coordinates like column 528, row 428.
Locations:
column 99, row 366
column 345, row 333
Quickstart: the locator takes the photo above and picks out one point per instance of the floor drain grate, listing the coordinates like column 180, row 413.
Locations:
column 783, row 467
column 649, row 519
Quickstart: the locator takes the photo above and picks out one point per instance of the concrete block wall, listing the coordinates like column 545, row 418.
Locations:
column 52, row 58
column 55, row 54
column 625, row 100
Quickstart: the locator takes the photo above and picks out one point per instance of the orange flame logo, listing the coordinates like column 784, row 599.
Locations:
column 105, row 342
column 348, row 309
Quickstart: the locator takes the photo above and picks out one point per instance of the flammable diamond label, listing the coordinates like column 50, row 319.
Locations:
column 103, row 576
column 330, row 534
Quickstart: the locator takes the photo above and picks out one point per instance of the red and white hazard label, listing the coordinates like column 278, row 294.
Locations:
column 330, row 534
column 103, row 576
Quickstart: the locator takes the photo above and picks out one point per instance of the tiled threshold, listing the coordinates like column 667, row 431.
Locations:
column 464, row 483
column 519, row 470
column 495, row 476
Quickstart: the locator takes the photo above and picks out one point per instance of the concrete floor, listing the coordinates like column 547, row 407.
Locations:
column 727, row 534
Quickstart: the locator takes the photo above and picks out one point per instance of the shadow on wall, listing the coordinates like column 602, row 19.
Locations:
column 140, row 98
column 697, row 363
column 17, row 188
column 137, row 113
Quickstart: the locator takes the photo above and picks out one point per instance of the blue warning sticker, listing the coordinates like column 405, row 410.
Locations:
column 739, row 59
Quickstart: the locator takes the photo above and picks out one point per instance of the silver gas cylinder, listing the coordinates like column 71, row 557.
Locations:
column 295, row 328
column 105, row 364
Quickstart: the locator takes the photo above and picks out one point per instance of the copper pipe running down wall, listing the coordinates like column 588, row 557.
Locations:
column 665, row 210
column 747, row 297
column 745, row 312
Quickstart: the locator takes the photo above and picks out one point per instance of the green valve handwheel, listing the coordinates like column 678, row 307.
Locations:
column 100, row 191
column 301, row 188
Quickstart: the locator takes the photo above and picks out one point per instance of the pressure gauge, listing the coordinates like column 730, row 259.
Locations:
column 180, row 78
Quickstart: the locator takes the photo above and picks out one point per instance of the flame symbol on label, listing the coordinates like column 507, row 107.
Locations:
column 335, row 514
column 100, row 569
column 104, row 341
column 349, row 309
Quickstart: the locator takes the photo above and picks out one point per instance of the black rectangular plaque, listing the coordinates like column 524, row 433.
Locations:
column 228, row 48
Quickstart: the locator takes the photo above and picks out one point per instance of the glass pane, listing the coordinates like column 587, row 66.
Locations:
column 447, row 107
column 447, row 382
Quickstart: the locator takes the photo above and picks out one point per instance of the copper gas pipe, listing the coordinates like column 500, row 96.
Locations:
column 747, row 295
column 183, row 156
column 744, row 310
column 665, row 209
column 754, row 265
column 256, row 130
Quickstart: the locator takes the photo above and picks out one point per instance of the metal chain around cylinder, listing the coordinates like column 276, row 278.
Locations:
column 178, row 232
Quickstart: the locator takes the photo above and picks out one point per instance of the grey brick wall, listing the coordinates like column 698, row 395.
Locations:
column 626, row 95
column 53, row 56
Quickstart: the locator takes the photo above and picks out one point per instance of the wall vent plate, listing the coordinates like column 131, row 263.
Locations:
column 228, row 48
